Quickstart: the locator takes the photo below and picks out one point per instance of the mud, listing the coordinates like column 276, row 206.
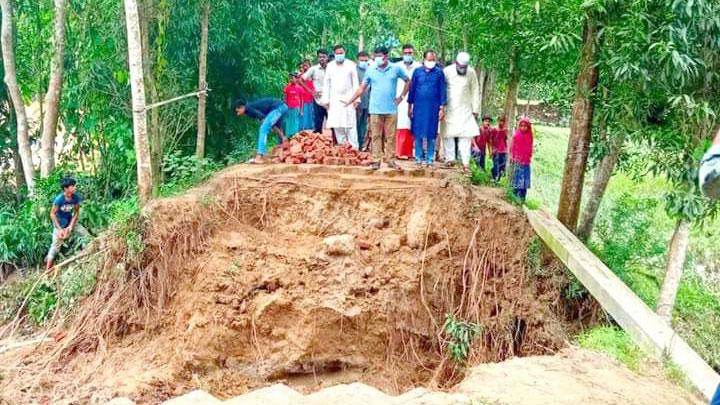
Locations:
column 257, row 299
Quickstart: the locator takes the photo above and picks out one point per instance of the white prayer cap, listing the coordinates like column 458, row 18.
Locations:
column 463, row 58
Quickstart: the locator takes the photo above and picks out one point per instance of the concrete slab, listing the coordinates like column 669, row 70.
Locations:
column 629, row 311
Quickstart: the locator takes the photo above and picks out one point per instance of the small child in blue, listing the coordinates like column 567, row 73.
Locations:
column 64, row 214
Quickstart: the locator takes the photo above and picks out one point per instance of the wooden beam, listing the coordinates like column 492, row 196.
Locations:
column 626, row 308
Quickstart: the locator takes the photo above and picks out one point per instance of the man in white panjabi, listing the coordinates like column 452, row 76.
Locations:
column 341, row 82
column 463, row 107
column 404, row 140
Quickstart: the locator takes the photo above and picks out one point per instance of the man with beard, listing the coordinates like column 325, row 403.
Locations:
column 463, row 105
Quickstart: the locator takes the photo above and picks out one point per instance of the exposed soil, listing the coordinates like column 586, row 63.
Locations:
column 235, row 290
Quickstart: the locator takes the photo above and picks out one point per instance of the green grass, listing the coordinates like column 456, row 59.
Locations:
column 615, row 343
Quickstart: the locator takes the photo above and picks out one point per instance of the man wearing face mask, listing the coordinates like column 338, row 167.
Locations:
column 316, row 73
column 363, row 115
column 341, row 82
column 427, row 101
column 404, row 137
column 463, row 105
column 383, row 78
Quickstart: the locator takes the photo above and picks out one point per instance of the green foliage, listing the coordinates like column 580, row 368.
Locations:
column 614, row 342
column 574, row 290
column 25, row 233
column 676, row 375
column 533, row 257
column 697, row 318
column 478, row 176
column 625, row 237
column 182, row 171
column 42, row 302
column 460, row 336
column 127, row 224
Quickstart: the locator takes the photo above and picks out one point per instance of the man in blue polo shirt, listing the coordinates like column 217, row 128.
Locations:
column 382, row 78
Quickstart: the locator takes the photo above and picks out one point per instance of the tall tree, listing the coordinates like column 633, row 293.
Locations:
column 602, row 178
column 512, row 91
column 580, row 128
column 137, row 83
column 52, row 98
column 8, row 53
column 202, row 78
column 674, row 269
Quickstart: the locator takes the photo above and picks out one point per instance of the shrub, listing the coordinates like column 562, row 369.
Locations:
column 614, row 342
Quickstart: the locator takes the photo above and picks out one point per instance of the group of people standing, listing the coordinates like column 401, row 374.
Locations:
column 404, row 103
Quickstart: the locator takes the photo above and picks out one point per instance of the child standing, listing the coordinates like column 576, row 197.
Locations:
column 294, row 94
column 308, row 113
column 498, row 144
column 481, row 141
column 521, row 152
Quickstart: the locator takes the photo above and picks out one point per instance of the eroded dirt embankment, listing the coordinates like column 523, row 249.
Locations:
column 277, row 274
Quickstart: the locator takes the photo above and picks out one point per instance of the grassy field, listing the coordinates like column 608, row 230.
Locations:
column 631, row 237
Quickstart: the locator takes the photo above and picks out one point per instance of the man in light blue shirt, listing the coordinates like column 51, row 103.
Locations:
column 382, row 78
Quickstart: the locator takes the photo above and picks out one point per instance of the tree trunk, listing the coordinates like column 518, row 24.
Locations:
column 142, row 147
column 511, row 97
column 147, row 8
column 19, row 178
column 673, row 273
column 361, row 29
column 8, row 54
column 580, row 130
column 481, row 75
column 440, row 39
column 602, row 177
column 52, row 98
column 488, row 95
column 202, row 78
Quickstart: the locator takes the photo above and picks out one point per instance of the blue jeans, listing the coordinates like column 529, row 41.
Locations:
column 479, row 157
column 420, row 155
column 267, row 125
column 308, row 119
column 499, row 163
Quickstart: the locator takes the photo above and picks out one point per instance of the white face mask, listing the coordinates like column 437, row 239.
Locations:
column 430, row 64
column 379, row 60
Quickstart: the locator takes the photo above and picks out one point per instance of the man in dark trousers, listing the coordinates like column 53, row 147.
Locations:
column 270, row 112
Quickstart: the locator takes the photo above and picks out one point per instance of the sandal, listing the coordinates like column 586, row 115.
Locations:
column 394, row 165
column 375, row 166
column 257, row 160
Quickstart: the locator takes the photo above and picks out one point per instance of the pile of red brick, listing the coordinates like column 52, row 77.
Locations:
column 310, row 147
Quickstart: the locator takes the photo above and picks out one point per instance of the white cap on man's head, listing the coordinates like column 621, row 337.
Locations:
column 463, row 58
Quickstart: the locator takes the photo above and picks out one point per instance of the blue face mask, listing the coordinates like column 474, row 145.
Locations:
column 363, row 64
column 379, row 60
column 340, row 57
column 408, row 58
